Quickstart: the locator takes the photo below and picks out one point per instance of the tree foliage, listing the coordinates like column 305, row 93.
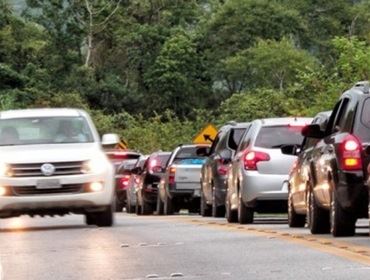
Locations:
column 156, row 71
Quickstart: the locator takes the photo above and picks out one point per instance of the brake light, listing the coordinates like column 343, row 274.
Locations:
column 123, row 182
column 171, row 177
column 251, row 159
column 350, row 153
column 117, row 155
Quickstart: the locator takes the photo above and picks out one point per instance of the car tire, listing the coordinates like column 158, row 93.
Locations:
column 295, row 220
column 168, row 206
column 217, row 211
column 146, row 208
column 160, row 206
column 137, row 207
column 119, row 205
column 245, row 214
column 231, row 215
column 89, row 219
column 205, row 209
column 318, row 218
column 104, row 218
column 342, row 223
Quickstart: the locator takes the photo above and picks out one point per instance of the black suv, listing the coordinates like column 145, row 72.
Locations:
column 338, row 195
column 214, row 170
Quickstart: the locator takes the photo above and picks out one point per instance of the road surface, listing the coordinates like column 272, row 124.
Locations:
column 177, row 247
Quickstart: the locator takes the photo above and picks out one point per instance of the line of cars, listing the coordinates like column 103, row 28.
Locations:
column 313, row 168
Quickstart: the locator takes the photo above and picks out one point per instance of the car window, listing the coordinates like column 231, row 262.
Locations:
column 162, row 159
column 187, row 153
column 330, row 126
column 342, row 115
column 235, row 137
column 44, row 130
column 365, row 114
column 272, row 137
column 215, row 142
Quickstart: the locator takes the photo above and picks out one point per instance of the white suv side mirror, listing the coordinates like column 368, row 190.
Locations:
column 110, row 139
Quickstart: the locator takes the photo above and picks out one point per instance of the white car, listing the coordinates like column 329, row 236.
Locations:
column 52, row 163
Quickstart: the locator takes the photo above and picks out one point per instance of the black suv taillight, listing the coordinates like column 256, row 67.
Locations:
column 350, row 153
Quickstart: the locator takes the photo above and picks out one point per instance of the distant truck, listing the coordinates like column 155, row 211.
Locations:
column 52, row 163
column 180, row 187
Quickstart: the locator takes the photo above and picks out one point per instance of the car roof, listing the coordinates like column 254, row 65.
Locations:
column 45, row 112
column 285, row 121
column 325, row 114
column 233, row 124
column 194, row 145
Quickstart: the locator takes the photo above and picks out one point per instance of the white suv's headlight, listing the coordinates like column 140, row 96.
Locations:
column 95, row 165
column 4, row 169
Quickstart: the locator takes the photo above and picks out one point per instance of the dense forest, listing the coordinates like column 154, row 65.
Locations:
column 156, row 71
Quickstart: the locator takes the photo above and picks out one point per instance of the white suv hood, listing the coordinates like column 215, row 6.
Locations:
column 49, row 153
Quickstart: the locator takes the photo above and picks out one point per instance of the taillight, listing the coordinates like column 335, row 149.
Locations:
column 171, row 177
column 222, row 168
column 123, row 182
column 251, row 159
column 350, row 153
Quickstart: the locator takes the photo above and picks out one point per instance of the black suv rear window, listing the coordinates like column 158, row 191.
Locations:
column 272, row 137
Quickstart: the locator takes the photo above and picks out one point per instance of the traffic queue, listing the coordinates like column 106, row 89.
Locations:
column 315, row 169
column 53, row 162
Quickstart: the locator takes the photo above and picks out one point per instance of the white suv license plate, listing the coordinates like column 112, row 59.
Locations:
column 48, row 184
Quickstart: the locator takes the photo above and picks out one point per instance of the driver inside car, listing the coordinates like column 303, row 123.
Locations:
column 68, row 133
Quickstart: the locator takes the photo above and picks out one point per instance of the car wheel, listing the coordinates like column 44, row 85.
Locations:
column 160, row 208
column 137, row 206
column 205, row 209
column 295, row 220
column 89, row 219
column 168, row 206
column 146, row 208
column 231, row 215
column 318, row 218
column 119, row 205
column 217, row 211
column 342, row 223
column 245, row 214
column 104, row 218
column 129, row 207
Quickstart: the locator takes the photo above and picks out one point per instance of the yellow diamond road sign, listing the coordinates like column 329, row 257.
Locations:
column 122, row 145
column 206, row 136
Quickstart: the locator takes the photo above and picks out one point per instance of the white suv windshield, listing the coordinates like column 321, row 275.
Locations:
column 45, row 130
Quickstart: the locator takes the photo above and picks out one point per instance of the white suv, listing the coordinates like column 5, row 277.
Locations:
column 52, row 163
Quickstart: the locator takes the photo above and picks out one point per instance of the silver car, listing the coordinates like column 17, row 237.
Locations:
column 259, row 168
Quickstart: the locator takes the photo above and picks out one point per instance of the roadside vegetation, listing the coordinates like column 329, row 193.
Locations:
column 156, row 71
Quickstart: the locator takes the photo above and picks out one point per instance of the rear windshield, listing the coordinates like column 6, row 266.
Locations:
column 163, row 160
column 190, row 155
column 272, row 137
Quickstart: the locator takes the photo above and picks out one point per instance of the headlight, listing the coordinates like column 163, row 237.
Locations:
column 4, row 169
column 95, row 165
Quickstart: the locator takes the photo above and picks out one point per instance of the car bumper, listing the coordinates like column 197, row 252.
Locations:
column 352, row 192
column 258, row 186
column 32, row 198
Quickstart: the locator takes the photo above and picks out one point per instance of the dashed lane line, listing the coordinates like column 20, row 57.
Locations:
column 333, row 246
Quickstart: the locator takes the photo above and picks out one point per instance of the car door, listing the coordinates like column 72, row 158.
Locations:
column 325, row 156
column 207, row 169
column 301, row 176
column 236, row 164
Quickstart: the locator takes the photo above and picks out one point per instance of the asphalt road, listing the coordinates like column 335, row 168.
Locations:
column 177, row 247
